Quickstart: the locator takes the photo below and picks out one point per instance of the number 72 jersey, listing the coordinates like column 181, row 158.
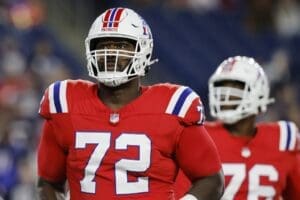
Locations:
column 264, row 167
column 129, row 154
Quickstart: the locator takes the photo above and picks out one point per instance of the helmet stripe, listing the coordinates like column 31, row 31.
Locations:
column 106, row 17
column 111, row 18
column 118, row 16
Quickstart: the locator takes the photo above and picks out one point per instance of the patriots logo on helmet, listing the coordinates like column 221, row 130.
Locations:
column 112, row 19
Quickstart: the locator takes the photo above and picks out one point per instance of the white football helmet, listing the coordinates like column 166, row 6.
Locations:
column 119, row 23
column 241, row 103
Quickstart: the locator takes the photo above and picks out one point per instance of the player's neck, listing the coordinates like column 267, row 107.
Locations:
column 117, row 97
column 245, row 127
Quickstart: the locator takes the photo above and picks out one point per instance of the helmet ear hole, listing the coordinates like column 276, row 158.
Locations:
column 93, row 43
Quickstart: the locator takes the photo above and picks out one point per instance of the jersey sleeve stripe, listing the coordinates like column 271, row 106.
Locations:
column 63, row 96
column 174, row 99
column 283, row 135
column 40, row 107
column 57, row 97
column 293, row 140
column 51, row 99
column 188, row 102
column 287, row 136
column 181, row 101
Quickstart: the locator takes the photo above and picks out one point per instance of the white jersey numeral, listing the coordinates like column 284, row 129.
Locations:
column 256, row 191
column 102, row 140
column 141, row 185
column 238, row 173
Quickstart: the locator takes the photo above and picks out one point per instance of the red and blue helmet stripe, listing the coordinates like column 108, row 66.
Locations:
column 112, row 18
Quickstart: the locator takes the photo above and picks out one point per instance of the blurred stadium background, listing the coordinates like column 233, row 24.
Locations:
column 43, row 41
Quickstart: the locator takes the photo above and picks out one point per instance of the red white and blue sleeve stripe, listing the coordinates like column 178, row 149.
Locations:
column 58, row 97
column 181, row 101
column 288, row 135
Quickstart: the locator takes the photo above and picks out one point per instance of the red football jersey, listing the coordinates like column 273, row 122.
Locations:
column 133, row 153
column 264, row 167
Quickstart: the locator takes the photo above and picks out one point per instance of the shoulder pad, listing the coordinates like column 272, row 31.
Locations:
column 186, row 104
column 60, row 96
column 288, row 136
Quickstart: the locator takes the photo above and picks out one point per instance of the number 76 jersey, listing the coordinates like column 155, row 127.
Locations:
column 264, row 167
column 129, row 154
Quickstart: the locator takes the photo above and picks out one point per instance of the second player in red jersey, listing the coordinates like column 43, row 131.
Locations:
column 259, row 160
column 265, row 166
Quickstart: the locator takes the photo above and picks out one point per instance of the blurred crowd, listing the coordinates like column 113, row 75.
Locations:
column 27, row 69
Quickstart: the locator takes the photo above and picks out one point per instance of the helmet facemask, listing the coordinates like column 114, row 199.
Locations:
column 231, row 103
column 114, row 66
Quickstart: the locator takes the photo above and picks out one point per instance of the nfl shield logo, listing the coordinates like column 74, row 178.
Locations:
column 114, row 118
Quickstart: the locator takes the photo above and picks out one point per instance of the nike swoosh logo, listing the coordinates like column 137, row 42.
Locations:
column 135, row 26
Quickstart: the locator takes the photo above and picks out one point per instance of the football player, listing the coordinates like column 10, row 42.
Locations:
column 117, row 139
column 259, row 160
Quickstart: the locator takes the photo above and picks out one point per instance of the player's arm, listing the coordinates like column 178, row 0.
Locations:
column 292, row 190
column 209, row 187
column 199, row 160
column 51, row 165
